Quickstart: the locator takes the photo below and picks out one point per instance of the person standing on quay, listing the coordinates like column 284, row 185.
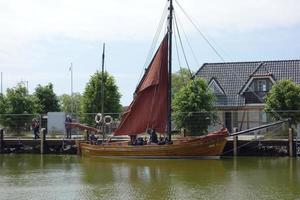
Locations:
column 68, row 127
column 36, row 128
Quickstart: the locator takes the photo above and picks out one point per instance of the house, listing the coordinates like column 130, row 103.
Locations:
column 240, row 88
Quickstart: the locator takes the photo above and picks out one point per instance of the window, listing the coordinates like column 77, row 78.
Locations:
column 262, row 85
column 263, row 117
column 215, row 88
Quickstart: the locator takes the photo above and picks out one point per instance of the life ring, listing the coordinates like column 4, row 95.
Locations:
column 98, row 118
column 107, row 119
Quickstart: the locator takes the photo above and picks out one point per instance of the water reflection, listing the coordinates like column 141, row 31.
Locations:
column 72, row 177
column 150, row 179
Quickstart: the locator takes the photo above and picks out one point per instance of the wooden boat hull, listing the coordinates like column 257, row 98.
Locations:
column 211, row 145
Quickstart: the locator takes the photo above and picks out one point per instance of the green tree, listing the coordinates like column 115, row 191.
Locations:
column 66, row 102
column 46, row 99
column 179, row 80
column 19, row 108
column 193, row 107
column 283, row 100
column 91, row 99
column 2, row 104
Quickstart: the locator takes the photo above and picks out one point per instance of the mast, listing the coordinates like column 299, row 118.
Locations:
column 170, row 19
column 102, row 79
column 102, row 91
column 72, row 103
column 1, row 84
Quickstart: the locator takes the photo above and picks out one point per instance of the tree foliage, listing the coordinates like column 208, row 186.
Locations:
column 67, row 102
column 18, row 101
column 179, row 80
column 193, row 107
column 2, row 104
column 46, row 99
column 283, row 100
column 91, row 99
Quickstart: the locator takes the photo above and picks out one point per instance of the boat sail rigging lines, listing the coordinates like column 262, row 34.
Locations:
column 151, row 109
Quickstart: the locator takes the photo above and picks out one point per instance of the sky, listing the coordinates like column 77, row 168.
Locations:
column 40, row 39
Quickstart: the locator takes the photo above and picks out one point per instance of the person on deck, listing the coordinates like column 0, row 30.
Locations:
column 93, row 139
column 153, row 136
column 133, row 139
column 36, row 128
column 67, row 126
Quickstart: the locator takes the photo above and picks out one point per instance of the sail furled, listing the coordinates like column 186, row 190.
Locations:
column 149, row 106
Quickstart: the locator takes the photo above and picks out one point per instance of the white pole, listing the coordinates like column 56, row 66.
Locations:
column 1, row 84
column 71, row 69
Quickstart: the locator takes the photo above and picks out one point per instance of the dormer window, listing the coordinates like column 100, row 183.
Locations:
column 215, row 87
column 259, row 85
column 262, row 85
column 256, row 89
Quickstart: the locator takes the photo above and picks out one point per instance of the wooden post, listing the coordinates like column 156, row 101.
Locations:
column 184, row 132
column 291, row 143
column 77, row 142
column 1, row 140
column 87, row 135
column 43, row 139
column 235, row 143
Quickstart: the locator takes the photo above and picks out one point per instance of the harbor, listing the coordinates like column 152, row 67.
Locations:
column 243, row 145
column 142, row 100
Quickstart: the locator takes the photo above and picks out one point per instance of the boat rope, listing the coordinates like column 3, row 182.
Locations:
column 154, row 41
column 187, row 40
column 200, row 32
column 216, row 52
column 156, row 36
column 178, row 56
column 182, row 48
column 205, row 38
column 177, row 51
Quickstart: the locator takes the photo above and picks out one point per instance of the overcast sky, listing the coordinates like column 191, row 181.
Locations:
column 39, row 39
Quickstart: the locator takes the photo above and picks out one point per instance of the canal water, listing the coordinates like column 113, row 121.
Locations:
column 73, row 177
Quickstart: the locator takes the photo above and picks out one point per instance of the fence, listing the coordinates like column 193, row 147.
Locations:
column 194, row 122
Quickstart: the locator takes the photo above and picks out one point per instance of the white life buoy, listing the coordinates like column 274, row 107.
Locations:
column 98, row 118
column 107, row 119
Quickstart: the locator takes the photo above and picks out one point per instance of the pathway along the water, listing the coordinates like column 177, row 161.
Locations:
column 236, row 145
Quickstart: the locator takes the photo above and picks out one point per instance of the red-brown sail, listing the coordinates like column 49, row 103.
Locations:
column 149, row 107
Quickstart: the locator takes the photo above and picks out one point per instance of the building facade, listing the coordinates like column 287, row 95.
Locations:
column 240, row 88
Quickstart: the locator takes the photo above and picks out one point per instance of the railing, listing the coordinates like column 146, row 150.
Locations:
column 17, row 125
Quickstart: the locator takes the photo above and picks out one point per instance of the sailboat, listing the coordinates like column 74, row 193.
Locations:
column 151, row 109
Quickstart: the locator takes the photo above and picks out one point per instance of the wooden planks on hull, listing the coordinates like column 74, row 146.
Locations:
column 211, row 145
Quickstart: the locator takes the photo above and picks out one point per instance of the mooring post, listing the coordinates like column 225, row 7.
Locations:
column 235, row 143
column 43, row 139
column 87, row 135
column 77, row 142
column 1, row 140
column 291, row 143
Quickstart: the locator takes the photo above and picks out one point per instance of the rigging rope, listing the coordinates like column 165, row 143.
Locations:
column 187, row 40
column 212, row 47
column 156, row 36
column 183, row 52
column 154, row 41
column 177, row 52
column 199, row 31
column 178, row 57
